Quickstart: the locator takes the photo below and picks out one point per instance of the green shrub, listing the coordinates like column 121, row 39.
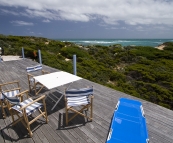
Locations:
column 70, row 51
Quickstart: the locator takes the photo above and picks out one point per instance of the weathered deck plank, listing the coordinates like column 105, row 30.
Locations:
column 159, row 119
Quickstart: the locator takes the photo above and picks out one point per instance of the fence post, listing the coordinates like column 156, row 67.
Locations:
column 74, row 64
column 0, row 53
column 39, row 55
column 23, row 55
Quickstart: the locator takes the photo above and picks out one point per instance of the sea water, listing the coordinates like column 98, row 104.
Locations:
column 123, row 42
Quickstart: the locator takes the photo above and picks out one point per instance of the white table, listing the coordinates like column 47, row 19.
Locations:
column 56, row 79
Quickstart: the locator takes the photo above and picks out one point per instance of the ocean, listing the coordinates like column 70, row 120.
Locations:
column 123, row 42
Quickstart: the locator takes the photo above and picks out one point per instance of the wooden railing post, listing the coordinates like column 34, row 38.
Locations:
column 39, row 54
column 74, row 64
column 23, row 54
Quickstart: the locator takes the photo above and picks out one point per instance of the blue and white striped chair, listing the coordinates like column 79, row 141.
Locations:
column 13, row 90
column 79, row 97
column 25, row 109
column 31, row 81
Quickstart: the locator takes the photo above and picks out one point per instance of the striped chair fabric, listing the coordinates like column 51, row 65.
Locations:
column 77, row 97
column 9, row 94
column 30, row 109
column 12, row 98
column 34, row 68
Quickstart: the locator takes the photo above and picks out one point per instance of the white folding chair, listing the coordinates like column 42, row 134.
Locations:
column 31, row 81
column 10, row 89
column 79, row 97
column 25, row 108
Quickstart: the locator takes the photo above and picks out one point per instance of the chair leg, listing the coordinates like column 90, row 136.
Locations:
column 25, row 117
column 91, row 112
column 12, row 116
column 45, row 110
column 29, row 83
column 91, row 107
column 29, row 86
column 66, row 117
column 78, row 112
column 39, row 90
column 35, row 89
column 2, row 108
column 66, row 112
column 29, row 130
column 18, row 120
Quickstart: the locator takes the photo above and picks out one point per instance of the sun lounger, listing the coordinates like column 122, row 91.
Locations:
column 128, row 123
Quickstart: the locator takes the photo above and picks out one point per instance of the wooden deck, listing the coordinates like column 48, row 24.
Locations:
column 159, row 119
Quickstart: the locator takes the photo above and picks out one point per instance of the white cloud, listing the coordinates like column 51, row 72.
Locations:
column 140, row 28
column 118, row 28
column 46, row 20
column 134, row 12
column 40, row 13
column 9, row 12
column 74, row 17
column 22, row 23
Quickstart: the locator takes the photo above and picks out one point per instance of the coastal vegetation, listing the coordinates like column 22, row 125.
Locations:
column 143, row 72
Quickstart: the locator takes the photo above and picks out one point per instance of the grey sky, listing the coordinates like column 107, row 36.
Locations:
column 87, row 18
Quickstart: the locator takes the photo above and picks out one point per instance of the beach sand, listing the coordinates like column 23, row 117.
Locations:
column 160, row 47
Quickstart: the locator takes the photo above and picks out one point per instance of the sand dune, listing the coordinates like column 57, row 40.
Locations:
column 160, row 47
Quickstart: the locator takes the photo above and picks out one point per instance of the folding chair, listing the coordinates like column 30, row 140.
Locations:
column 79, row 97
column 13, row 90
column 31, row 81
column 26, row 108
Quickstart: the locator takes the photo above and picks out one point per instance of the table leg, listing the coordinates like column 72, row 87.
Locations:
column 57, row 102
